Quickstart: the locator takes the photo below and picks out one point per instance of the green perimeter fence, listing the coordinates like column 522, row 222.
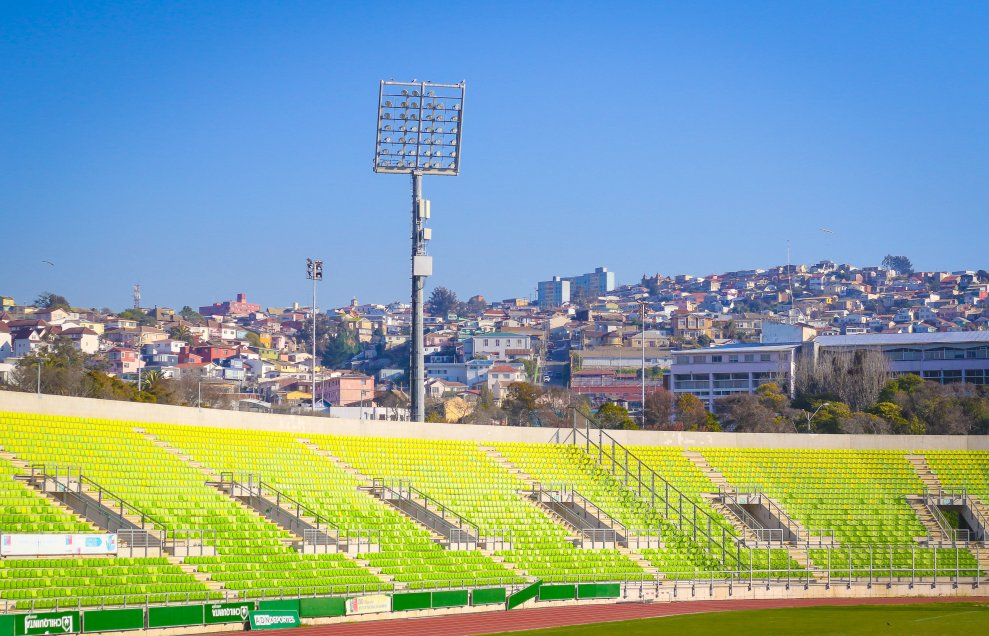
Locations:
column 156, row 617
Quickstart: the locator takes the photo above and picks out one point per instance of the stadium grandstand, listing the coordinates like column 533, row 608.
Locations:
column 129, row 516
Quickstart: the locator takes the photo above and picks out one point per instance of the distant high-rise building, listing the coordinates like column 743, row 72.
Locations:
column 554, row 293
column 558, row 291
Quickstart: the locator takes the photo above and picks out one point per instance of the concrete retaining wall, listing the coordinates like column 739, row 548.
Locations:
column 135, row 412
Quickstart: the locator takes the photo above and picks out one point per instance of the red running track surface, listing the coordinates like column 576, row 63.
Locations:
column 535, row 618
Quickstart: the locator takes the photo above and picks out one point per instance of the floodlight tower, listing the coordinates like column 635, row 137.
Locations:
column 419, row 133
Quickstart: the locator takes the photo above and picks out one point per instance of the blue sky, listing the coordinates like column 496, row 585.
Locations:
column 203, row 149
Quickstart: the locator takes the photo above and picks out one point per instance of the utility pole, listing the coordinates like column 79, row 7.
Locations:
column 642, row 341
column 314, row 272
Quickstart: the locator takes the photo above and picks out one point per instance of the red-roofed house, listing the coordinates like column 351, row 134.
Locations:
column 83, row 339
column 501, row 376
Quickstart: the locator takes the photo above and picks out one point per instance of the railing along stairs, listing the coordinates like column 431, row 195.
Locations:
column 318, row 533
column 95, row 503
column 689, row 518
column 596, row 525
column 970, row 510
column 429, row 512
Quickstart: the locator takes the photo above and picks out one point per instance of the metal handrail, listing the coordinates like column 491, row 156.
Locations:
column 575, row 520
column 345, row 537
column 730, row 500
column 792, row 526
column 403, row 489
column 189, row 538
column 973, row 505
column 696, row 510
column 280, row 497
column 40, row 471
column 565, row 493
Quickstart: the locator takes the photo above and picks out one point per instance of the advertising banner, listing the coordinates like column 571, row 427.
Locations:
column 57, row 544
column 371, row 604
column 47, row 623
column 228, row 612
column 272, row 619
column 117, row 620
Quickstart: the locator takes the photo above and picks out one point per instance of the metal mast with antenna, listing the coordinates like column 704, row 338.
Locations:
column 137, row 295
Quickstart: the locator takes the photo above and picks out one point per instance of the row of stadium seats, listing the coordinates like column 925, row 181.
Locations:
column 40, row 583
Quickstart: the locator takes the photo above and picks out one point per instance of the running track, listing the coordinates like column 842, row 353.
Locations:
column 535, row 618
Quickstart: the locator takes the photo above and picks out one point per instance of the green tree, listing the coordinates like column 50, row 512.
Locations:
column 138, row 316
column 441, row 302
column 691, row 413
column 901, row 264
column 521, row 401
column 659, row 408
column 704, row 340
column 476, row 304
column 531, row 368
column 892, row 414
column 51, row 300
column 62, row 369
column 615, row 416
column 745, row 413
column 341, row 348
column 829, row 418
column 191, row 315
column 181, row 333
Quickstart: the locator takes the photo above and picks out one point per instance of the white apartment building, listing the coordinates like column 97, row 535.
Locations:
column 716, row 372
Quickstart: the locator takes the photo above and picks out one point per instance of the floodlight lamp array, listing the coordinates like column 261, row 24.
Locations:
column 419, row 128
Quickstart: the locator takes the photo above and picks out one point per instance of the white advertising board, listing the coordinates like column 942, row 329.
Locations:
column 371, row 604
column 57, row 544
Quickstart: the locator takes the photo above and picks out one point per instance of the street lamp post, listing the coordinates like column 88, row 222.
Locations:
column 418, row 133
column 314, row 272
column 811, row 416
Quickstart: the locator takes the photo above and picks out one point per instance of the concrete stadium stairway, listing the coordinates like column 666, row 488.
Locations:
column 208, row 473
column 932, row 484
column 202, row 577
column 367, row 483
column 924, row 471
column 511, row 468
column 54, row 493
column 697, row 459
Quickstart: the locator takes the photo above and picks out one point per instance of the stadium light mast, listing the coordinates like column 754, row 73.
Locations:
column 418, row 133
column 314, row 272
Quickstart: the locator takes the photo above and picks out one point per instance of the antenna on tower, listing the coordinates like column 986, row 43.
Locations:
column 137, row 296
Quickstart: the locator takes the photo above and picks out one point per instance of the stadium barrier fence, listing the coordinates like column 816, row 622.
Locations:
column 868, row 565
